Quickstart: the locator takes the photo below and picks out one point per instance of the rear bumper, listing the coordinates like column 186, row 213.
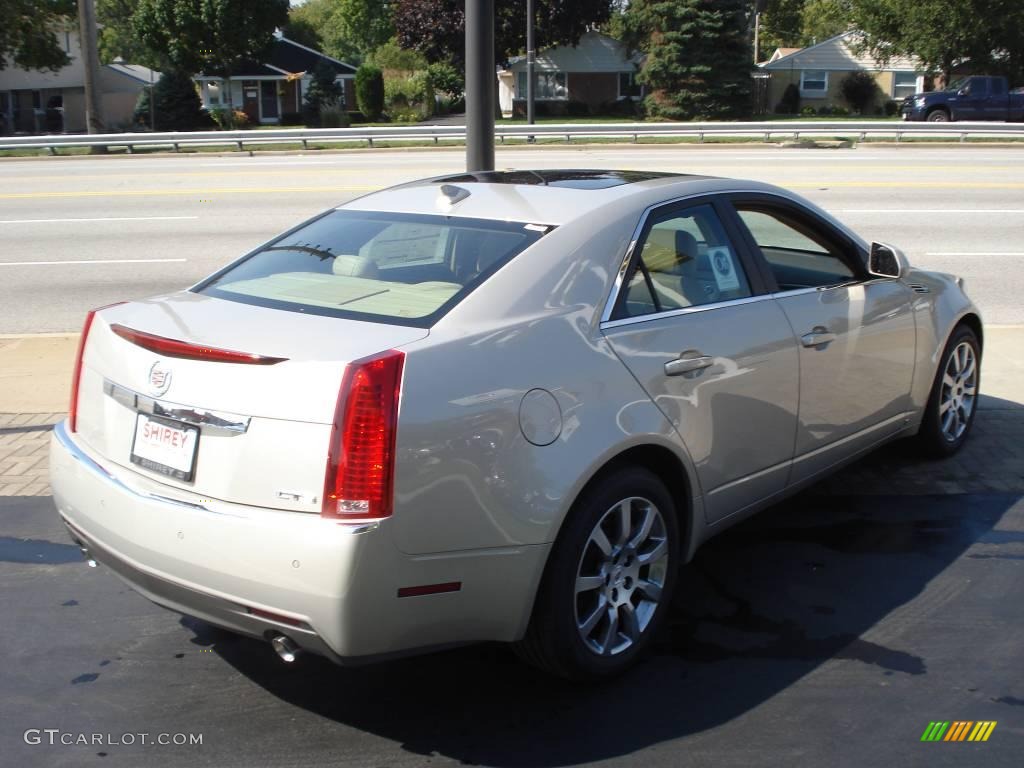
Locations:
column 334, row 585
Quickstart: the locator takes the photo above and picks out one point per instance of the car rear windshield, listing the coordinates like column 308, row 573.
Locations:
column 406, row 269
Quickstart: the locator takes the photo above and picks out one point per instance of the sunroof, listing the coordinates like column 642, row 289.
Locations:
column 570, row 179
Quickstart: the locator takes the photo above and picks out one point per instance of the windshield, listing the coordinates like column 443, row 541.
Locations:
column 399, row 268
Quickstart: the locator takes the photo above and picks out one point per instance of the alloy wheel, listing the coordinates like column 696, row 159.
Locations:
column 959, row 392
column 621, row 576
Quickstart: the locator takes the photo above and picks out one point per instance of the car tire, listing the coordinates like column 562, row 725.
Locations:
column 604, row 592
column 953, row 401
column 938, row 116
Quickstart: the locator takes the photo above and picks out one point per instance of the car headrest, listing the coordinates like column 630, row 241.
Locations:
column 666, row 250
column 354, row 266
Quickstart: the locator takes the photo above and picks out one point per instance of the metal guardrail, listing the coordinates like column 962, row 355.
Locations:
column 777, row 130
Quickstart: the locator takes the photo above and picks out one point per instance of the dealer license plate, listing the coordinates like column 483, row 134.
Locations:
column 166, row 447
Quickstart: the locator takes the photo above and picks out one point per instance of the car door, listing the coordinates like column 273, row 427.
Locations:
column 694, row 323
column 856, row 334
column 973, row 100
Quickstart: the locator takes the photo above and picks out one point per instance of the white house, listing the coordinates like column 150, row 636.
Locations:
column 34, row 101
column 597, row 72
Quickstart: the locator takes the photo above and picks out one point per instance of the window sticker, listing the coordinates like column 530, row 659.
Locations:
column 724, row 269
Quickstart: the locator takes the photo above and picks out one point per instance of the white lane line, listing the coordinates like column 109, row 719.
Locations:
column 928, row 210
column 973, row 253
column 88, row 261
column 105, row 218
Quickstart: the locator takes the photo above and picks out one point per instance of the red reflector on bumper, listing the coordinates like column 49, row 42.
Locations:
column 275, row 617
column 429, row 589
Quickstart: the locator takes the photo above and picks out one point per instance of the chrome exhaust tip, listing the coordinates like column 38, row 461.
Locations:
column 88, row 556
column 285, row 647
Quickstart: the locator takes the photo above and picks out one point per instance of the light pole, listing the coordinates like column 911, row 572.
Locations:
column 480, row 85
column 531, row 55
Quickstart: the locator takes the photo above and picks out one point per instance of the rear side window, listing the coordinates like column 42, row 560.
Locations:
column 398, row 268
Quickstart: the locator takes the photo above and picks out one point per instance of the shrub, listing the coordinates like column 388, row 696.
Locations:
column 790, row 102
column 291, row 118
column 446, row 80
column 840, row 112
column 240, row 120
column 575, row 108
column 859, row 90
column 408, row 96
column 825, row 110
column 334, row 118
column 808, row 111
column 391, row 57
column 892, row 108
column 322, row 95
column 176, row 102
column 370, row 91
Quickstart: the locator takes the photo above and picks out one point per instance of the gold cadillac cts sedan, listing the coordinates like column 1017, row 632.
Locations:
column 497, row 406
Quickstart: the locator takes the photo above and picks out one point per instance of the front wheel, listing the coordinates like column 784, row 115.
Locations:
column 609, row 579
column 954, row 397
column 938, row 116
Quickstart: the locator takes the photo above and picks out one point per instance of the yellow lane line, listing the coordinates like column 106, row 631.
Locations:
column 182, row 192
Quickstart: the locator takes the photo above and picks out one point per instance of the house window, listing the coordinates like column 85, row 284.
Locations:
column 814, row 82
column 904, row 84
column 212, row 94
column 629, row 88
column 547, row 86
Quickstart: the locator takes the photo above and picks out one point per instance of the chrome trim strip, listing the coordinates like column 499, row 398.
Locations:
column 209, row 421
column 685, row 311
column 60, row 433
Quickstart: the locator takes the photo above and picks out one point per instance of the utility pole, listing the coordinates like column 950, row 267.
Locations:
column 531, row 56
column 91, row 62
column 480, row 85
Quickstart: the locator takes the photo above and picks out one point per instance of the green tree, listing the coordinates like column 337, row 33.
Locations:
column 210, row 36
column 176, row 104
column 370, row 91
column 28, row 29
column 436, row 28
column 349, row 30
column 781, row 25
column 117, row 35
column 698, row 55
column 322, row 94
column 822, row 19
column 944, row 33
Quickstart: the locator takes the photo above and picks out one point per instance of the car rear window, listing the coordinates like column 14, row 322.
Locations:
column 407, row 269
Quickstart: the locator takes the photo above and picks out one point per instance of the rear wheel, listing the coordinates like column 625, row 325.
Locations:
column 609, row 579
column 954, row 397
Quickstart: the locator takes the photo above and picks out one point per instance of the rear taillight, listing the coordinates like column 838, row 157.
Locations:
column 361, row 458
column 76, row 378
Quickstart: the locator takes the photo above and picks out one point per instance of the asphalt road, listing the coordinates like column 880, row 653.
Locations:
column 827, row 632
column 79, row 233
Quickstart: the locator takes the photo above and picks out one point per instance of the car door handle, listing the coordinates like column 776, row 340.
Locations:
column 820, row 335
column 682, row 365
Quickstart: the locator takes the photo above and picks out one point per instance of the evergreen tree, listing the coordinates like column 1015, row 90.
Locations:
column 370, row 91
column 323, row 93
column 176, row 104
column 699, row 56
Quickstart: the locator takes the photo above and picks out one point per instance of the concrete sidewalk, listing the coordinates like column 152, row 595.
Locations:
column 35, row 376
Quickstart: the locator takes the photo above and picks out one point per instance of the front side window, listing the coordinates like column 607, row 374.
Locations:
column 684, row 259
column 814, row 82
column 406, row 269
column 798, row 255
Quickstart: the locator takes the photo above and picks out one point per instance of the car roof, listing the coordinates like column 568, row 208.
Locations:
column 542, row 196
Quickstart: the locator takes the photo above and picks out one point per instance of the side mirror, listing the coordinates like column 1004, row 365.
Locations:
column 883, row 261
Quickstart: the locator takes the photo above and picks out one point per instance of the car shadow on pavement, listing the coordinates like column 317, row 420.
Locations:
column 761, row 606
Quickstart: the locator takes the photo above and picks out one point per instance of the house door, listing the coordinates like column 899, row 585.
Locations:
column 268, row 101
column 250, row 100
